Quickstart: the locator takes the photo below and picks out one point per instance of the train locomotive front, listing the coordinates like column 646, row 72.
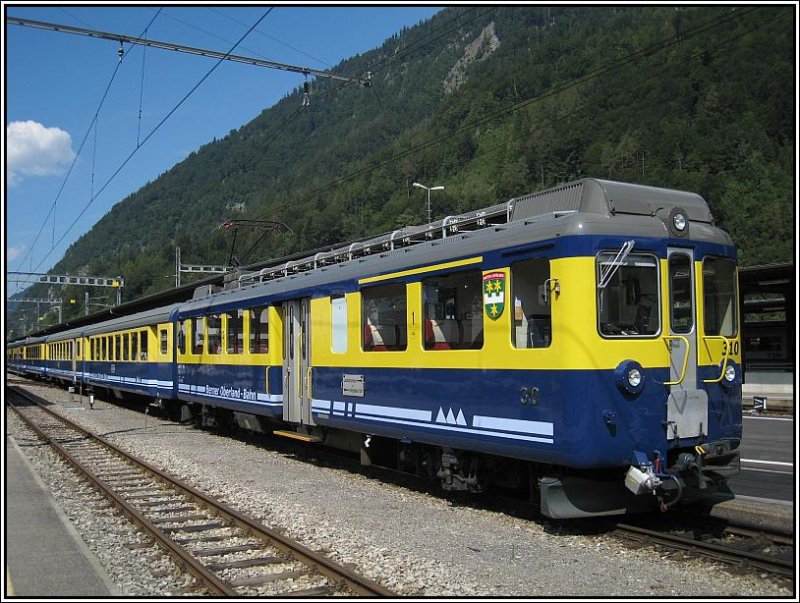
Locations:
column 588, row 346
column 651, row 392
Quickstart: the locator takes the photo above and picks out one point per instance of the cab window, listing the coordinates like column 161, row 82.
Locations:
column 627, row 295
column 719, row 297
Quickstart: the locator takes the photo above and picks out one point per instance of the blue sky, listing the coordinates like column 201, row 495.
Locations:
column 54, row 83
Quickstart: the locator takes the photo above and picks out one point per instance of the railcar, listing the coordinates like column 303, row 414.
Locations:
column 582, row 342
column 132, row 355
column 27, row 357
column 64, row 357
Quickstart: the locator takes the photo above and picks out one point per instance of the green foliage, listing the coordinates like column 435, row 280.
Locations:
column 698, row 98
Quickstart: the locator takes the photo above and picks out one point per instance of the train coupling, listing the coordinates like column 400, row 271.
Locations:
column 642, row 479
column 642, row 476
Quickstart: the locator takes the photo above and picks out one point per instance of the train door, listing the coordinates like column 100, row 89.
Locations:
column 75, row 347
column 297, row 361
column 687, row 406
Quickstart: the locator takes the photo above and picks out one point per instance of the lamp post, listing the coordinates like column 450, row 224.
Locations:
column 429, row 189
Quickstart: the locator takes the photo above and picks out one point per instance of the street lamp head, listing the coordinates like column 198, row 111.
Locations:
column 429, row 189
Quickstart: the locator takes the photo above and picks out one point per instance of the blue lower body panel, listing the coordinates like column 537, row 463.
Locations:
column 241, row 388
column 575, row 418
column 153, row 379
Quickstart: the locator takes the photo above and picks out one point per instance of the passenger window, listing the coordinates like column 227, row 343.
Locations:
column 197, row 335
column 627, row 295
column 235, row 332
column 125, row 346
column 135, row 346
column 453, row 311
column 144, row 345
column 532, row 326
column 117, row 348
column 259, row 330
column 164, row 341
column 214, row 325
column 183, row 328
column 384, row 318
column 339, row 324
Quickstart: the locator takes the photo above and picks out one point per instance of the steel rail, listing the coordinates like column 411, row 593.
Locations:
column 719, row 552
column 339, row 574
column 211, row 581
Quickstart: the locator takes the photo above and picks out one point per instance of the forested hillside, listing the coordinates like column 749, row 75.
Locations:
column 491, row 103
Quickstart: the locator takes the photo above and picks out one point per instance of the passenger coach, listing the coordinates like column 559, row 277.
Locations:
column 582, row 342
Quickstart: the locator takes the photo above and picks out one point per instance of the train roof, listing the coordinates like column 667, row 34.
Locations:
column 587, row 206
column 133, row 321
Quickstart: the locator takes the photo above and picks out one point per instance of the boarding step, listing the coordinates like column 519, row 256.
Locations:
column 304, row 437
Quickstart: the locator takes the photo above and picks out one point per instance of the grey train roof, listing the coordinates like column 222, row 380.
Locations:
column 583, row 207
column 610, row 198
column 132, row 321
column 140, row 319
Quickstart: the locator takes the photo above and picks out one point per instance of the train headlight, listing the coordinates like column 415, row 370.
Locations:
column 629, row 377
column 730, row 374
column 634, row 377
column 678, row 222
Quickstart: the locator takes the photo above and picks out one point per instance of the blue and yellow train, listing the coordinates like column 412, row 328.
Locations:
column 582, row 342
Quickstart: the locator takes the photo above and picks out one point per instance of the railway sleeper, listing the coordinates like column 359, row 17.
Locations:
column 266, row 578
column 228, row 549
column 245, row 563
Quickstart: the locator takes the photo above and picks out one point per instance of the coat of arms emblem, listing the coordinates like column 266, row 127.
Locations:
column 494, row 293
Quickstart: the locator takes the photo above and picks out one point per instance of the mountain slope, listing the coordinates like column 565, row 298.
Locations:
column 492, row 103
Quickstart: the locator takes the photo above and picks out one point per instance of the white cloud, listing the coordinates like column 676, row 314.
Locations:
column 35, row 150
column 13, row 252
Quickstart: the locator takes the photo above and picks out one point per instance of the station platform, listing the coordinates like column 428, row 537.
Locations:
column 757, row 513
column 45, row 557
column 777, row 397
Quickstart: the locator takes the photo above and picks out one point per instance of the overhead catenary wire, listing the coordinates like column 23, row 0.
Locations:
column 152, row 132
column 228, row 56
column 78, row 154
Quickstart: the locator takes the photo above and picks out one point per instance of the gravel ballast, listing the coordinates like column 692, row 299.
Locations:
column 411, row 542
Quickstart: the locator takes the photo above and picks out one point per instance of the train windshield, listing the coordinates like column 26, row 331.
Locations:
column 719, row 297
column 628, row 295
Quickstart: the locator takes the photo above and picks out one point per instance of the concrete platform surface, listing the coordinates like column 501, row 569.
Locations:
column 758, row 513
column 45, row 556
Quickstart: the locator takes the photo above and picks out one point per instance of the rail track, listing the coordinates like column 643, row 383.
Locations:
column 731, row 553
column 227, row 553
